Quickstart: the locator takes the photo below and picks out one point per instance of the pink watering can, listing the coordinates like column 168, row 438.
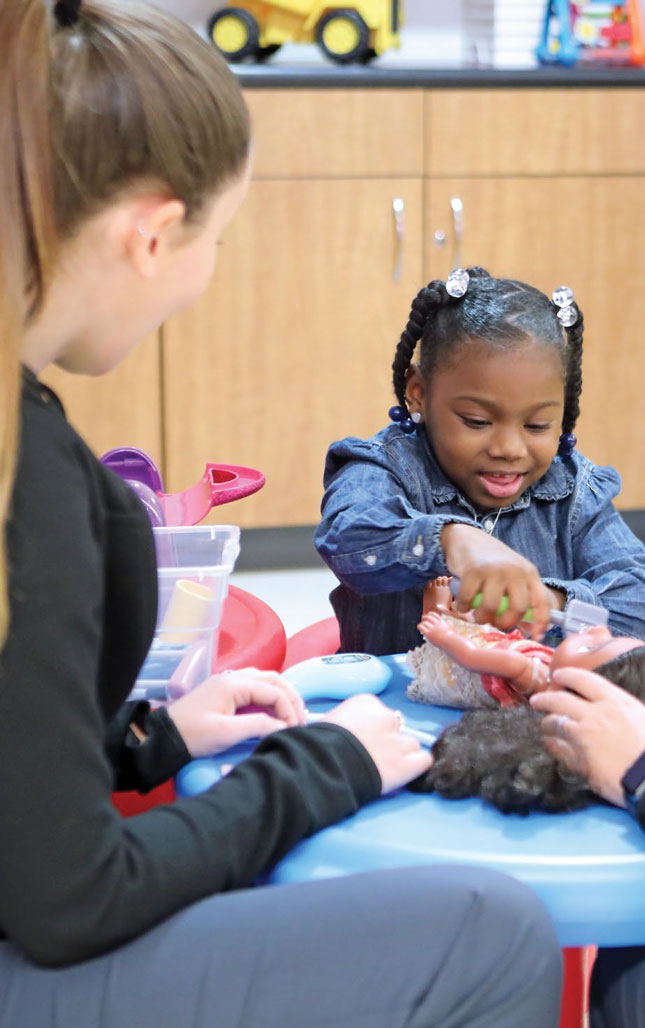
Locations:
column 220, row 483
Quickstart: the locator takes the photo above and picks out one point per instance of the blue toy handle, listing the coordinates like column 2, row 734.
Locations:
column 338, row 676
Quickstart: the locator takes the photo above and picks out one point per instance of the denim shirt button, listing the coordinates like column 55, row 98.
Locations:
column 370, row 559
column 489, row 525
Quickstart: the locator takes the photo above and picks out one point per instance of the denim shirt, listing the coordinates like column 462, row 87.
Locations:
column 386, row 500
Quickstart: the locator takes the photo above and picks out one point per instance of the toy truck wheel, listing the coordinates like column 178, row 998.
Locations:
column 343, row 36
column 235, row 33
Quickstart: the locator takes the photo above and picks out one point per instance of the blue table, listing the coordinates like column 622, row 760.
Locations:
column 588, row 867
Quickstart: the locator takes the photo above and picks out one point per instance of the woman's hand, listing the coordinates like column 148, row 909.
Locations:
column 207, row 718
column 398, row 757
column 487, row 566
column 596, row 729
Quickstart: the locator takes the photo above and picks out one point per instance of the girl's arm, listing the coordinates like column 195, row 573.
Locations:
column 608, row 559
column 376, row 532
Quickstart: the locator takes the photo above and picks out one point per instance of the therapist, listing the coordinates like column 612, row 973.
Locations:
column 598, row 730
column 124, row 153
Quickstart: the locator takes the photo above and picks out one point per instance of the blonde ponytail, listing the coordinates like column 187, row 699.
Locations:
column 28, row 235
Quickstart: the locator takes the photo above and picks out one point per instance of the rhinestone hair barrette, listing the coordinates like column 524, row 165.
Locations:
column 567, row 311
column 457, row 283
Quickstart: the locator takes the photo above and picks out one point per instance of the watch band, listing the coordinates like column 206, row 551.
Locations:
column 633, row 783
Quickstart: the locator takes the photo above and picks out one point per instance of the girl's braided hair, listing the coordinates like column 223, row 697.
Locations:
column 500, row 311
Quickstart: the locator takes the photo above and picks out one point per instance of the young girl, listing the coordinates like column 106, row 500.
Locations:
column 124, row 145
column 478, row 475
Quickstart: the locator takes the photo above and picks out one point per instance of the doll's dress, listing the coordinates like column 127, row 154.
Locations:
column 441, row 680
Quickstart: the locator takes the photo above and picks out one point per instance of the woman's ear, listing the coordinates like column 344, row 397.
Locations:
column 414, row 389
column 152, row 231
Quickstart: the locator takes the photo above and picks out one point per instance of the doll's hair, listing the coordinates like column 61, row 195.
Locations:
column 498, row 754
column 501, row 312
column 97, row 100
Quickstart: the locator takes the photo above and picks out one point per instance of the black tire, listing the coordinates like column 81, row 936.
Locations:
column 250, row 47
column 265, row 52
column 357, row 52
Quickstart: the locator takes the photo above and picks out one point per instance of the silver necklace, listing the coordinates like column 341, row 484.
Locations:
column 489, row 524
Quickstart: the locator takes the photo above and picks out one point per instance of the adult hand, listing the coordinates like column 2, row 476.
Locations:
column 594, row 727
column 487, row 566
column 207, row 718
column 398, row 757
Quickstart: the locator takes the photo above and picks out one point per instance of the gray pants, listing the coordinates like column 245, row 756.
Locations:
column 447, row 947
column 617, row 993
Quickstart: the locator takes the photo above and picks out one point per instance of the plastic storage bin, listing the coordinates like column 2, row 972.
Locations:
column 194, row 565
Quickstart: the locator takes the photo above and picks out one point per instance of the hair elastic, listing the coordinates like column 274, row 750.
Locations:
column 567, row 444
column 400, row 417
column 67, row 12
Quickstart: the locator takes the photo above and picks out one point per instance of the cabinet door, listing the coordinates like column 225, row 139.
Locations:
column 122, row 408
column 585, row 233
column 292, row 344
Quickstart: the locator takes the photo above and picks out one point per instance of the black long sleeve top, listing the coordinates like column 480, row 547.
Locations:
column 75, row 878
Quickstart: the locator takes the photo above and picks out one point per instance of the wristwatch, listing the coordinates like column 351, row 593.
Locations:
column 633, row 783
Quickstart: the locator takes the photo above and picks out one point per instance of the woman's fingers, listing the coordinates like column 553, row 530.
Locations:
column 267, row 689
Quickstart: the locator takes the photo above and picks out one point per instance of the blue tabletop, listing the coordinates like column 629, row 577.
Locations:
column 587, row 866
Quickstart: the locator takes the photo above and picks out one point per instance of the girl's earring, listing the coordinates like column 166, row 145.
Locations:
column 416, row 417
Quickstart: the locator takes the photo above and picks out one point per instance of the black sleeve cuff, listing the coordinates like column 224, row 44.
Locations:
column 144, row 764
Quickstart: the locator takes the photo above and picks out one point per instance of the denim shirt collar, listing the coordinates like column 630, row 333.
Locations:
column 556, row 483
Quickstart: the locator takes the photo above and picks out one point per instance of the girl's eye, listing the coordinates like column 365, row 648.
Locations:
column 538, row 428
column 474, row 422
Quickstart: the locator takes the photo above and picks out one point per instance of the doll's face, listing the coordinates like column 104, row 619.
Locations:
column 590, row 648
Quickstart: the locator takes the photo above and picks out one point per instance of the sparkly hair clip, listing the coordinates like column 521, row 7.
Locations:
column 567, row 311
column 457, row 283
column 67, row 12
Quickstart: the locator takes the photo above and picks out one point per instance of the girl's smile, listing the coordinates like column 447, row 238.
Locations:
column 493, row 417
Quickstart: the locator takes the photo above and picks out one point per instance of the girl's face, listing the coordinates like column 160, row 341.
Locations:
column 493, row 417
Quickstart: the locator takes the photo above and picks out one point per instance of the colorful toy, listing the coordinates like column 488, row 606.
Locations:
column 345, row 32
column 220, row 483
column 609, row 33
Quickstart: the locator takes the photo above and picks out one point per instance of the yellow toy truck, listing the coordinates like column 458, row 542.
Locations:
column 345, row 32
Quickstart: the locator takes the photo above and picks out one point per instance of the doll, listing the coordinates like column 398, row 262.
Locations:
column 467, row 665
column 498, row 754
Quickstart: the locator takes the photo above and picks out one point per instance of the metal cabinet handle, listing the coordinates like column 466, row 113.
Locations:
column 457, row 210
column 398, row 210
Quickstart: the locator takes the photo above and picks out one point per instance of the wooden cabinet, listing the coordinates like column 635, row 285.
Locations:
column 552, row 184
column 291, row 345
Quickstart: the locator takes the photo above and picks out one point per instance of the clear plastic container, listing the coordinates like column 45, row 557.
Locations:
column 193, row 565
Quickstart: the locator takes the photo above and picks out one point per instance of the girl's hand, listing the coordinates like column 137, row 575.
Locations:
column 398, row 757
column 207, row 718
column 488, row 566
column 596, row 729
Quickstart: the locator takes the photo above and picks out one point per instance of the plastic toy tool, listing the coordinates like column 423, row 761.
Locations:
column 338, row 676
column 578, row 615
column 220, row 483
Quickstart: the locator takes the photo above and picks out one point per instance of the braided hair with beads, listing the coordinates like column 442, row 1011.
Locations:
column 499, row 311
